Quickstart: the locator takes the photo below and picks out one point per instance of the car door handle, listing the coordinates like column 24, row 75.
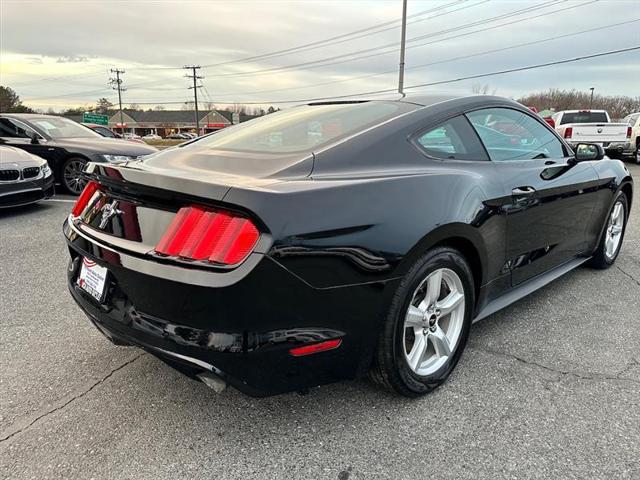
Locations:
column 523, row 191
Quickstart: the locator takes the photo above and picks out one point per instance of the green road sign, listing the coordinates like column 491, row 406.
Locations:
column 95, row 118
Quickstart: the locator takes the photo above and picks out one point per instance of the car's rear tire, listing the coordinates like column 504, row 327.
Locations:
column 613, row 234
column 427, row 326
column 72, row 179
column 638, row 151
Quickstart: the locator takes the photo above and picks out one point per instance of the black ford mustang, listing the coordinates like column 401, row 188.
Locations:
column 335, row 239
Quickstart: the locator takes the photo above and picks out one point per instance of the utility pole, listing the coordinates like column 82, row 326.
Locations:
column 195, row 88
column 403, row 38
column 117, row 85
column 591, row 100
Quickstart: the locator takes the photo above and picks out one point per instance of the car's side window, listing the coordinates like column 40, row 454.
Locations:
column 509, row 134
column 453, row 139
column 14, row 129
column 105, row 132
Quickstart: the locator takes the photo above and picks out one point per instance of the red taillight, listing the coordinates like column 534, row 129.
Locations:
column 629, row 132
column 85, row 196
column 315, row 347
column 568, row 132
column 214, row 236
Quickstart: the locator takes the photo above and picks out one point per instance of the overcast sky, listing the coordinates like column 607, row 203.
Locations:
column 58, row 53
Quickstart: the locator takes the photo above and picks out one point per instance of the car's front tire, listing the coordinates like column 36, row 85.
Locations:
column 428, row 324
column 613, row 234
column 72, row 179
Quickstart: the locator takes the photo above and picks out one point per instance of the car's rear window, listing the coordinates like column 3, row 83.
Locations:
column 303, row 128
column 584, row 117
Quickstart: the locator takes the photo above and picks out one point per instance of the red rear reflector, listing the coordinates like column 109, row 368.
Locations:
column 315, row 347
column 629, row 132
column 568, row 132
column 218, row 237
column 89, row 189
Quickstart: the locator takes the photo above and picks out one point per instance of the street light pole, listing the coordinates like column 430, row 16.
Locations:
column 591, row 100
column 403, row 38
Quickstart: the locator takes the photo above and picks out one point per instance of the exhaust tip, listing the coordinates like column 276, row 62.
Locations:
column 213, row 381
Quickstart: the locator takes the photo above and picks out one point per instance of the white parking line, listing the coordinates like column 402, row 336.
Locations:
column 59, row 200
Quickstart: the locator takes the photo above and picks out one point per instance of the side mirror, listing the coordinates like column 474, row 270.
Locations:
column 588, row 151
column 35, row 138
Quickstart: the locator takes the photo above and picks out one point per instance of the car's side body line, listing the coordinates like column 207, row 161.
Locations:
column 372, row 282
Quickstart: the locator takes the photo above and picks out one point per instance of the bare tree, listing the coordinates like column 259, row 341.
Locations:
column 480, row 89
column 618, row 106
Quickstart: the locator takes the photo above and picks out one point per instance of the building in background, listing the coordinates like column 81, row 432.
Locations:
column 166, row 122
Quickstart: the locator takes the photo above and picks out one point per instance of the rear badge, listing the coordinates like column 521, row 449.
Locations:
column 109, row 210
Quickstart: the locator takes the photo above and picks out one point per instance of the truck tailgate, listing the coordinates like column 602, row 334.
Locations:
column 598, row 132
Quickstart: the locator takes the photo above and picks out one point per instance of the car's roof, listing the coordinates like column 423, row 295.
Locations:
column 421, row 100
column 584, row 110
column 28, row 115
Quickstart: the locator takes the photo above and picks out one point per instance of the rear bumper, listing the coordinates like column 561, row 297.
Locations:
column 243, row 330
column 620, row 147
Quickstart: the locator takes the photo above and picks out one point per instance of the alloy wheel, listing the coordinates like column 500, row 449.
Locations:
column 72, row 175
column 614, row 230
column 433, row 322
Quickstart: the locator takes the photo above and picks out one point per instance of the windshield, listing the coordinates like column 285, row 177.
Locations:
column 584, row 117
column 302, row 128
column 58, row 127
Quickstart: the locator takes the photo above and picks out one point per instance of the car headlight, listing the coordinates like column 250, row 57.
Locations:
column 117, row 158
column 45, row 170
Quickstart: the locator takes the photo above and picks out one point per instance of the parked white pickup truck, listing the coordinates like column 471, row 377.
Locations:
column 593, row 126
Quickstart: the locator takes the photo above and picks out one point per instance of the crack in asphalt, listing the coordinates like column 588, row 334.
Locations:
column 71, row 400
column 588, row 376
column 629, row 275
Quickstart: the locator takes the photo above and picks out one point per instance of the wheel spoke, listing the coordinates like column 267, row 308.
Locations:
column 434, row 283
column 417, row 352
column 414, row 317
column 450, row 303
column 608, row 245
column 615, row 216
column 440, row 342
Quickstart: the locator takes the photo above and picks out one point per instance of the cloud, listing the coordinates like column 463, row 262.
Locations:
column 138, row 39
column 72, row 59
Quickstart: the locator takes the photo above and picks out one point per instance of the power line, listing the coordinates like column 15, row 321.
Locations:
column 531, row 67
column 342, row 38
column 325, row 61
column 60, row 77
column 309, row 65
column 440, row 82
column 439, row 62
column 305, row 47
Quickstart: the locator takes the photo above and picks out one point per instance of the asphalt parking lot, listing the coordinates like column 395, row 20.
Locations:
column 547, row 388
